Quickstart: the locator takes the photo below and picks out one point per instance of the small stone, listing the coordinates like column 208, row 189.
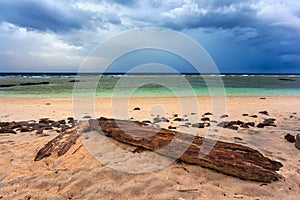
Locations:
column 290, row 138
column 224, row 116
column 198, row 125
column 244, row 126
column 237, row 138
column 87, row 117
column 263, row 112
column 250, row 124
column 205, row 119
column 136, row 108
column 245, row 114
column 178, row 119
column 260, row 125
column 253, row 116
column 208, row 113
column 171, row 127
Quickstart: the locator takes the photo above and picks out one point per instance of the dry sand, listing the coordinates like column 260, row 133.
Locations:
column 78, row 175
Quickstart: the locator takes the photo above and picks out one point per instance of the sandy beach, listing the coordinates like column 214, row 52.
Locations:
column 78, row 175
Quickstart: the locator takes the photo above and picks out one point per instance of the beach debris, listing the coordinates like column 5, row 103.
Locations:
column 171, row 127
column 198, row 125
column 229, row 158
column 179, row 119
column 224, row 116
column 136, row 108
column 250, row 124
column 260, row 125
column 290, row 138
column 245, row 125
column 187, row 189
column 237, row 138
column 205, row 119
column 31, row 125
column 262, row 98
column 59, row 145
column 297, row 142
column 87, row 117
column 263, row 112
column 267, row 122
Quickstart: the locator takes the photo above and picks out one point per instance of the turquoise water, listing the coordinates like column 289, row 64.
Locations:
column 61, row 85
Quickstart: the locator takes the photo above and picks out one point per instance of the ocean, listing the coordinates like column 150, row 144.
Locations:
column 47, row 85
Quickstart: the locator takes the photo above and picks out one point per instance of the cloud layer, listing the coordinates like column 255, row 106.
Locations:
column 240, row 35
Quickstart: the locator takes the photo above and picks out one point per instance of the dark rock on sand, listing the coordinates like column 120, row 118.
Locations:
column 263, row 112
column 250, row 124
column 253, row 116
column 233, row 127
column 198, row 125
column 156, row 120
column 213, row 121
column 208, row 113
column 171, row 127
column 62, row 121
column 136, row 108
column 237, row 138
column 290, row 138
column 262, row 98
column 175, row 115
column 205, row 119
column 87, row 117
column 184, row 125
column 244, row 125
column 238, row 122
column 224, row 116
column 297, row 143
column 178, row 119
column 269, row 122
column 40, row 131
column 7, row 130
column 163, row 119
column 147, row 121
column 260, row 125
column 26, row 129
column 193, row 113
column 245, row 114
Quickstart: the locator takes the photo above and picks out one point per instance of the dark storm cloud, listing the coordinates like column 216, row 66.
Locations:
column 40, row 15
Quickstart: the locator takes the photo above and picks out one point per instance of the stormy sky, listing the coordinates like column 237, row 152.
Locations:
column 241, row 36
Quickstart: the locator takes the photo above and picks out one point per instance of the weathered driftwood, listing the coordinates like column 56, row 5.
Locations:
column 228, row 158
column 60, row 144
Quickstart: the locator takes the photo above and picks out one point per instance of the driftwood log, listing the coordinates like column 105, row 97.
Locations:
column 59, row 145
column 231, row 159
